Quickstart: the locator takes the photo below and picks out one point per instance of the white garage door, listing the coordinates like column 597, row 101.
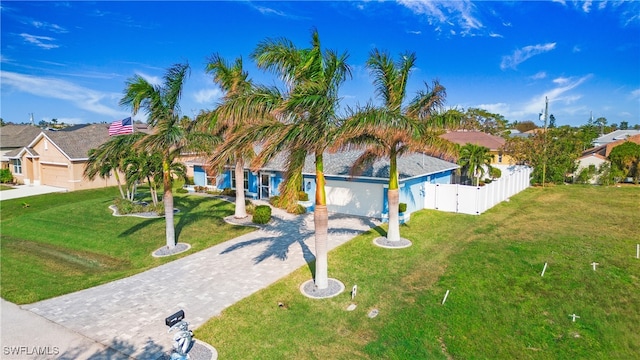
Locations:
column 55, row 175
column 355, row 198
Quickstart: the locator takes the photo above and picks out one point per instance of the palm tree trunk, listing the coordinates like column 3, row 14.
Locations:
column 115, row 173
column 168, row 206
column 241, row 210
column 393, row 234
column 321, row 224
column 393, row 197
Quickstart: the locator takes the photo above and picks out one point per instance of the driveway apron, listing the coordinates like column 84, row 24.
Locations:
column 128, row 315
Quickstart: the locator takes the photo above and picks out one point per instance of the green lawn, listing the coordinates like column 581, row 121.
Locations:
column 5, row 187
column 499, row 307
column 65, row 242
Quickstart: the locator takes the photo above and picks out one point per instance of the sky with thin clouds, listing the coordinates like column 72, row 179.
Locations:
column 71, row 60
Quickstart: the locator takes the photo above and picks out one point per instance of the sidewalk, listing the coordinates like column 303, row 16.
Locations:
column 128, row 315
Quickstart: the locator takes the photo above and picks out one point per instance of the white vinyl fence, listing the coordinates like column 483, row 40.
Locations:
column 475, row 200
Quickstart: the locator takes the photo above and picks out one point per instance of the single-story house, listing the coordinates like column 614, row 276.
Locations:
column 494, row 143
column 599, row 155
column 364, row 194
column 58, row 157
column 614, row 136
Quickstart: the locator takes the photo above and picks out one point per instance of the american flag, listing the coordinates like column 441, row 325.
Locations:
column 121, row 127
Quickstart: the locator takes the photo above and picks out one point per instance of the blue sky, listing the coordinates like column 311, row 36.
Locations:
column 70, row 60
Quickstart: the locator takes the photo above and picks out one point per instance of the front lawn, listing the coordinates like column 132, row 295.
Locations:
column 499, row 305
column 64, row 242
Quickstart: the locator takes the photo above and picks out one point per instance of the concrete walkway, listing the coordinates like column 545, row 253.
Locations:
column 128, row 315
column 20, row 191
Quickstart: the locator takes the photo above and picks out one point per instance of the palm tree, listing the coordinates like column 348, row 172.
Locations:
column 474, row 158
column 172, row 134
column 233, row 79
column 110, row 157
column 298, row 122
column 391, row 130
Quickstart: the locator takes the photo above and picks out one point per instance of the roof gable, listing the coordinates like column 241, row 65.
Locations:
column 75, row 144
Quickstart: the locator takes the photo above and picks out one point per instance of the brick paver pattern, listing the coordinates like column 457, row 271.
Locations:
column 128, row 314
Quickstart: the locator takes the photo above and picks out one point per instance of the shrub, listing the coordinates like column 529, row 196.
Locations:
column 402, row 207
column 189, row 181
column 487, row 181
column 262, row 214
column 275, row 200
column 249, row 207
column 6, row 176
column 125, row 206
column 299, row 210
column 303, row 196
column 181, row 191
column 495, row 173
column 228, row 192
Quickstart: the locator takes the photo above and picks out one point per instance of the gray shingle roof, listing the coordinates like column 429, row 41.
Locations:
column 339, row 164
column 17, row 136
column 77, row 143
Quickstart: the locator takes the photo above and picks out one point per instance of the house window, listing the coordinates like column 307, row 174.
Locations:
column 500, row 157
column 17, row 166
column 246, row 179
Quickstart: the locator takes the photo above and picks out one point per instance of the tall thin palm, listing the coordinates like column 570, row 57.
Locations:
column 233, row 80
column 474, row 159
column 170, row 136
column 391, row 130
column 297, row 122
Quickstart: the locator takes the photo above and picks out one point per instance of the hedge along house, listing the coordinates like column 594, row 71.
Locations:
column 363, row 195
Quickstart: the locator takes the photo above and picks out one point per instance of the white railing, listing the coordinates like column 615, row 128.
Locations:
column 475, row 200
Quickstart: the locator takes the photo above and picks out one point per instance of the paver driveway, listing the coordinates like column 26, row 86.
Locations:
column 128, row 315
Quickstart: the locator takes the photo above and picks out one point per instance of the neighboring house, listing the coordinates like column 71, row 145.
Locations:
column 363, row 195
column 599, row 155
column 58, row 157
column 494, row 143
column 14, row 138
column 614, row 136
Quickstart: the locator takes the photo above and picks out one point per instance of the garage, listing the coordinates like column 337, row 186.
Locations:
column 355, row 198
column 55, row 175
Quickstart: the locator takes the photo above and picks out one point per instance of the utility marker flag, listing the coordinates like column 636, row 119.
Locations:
column 121, row 127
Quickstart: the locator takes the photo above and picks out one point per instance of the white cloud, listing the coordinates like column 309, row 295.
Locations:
column 561, row 80
column 153, row 80
column 539, row 75
column 81, row 97
column 460, row 14
column 635, row 94
column 43, row 42
column 207, row 96
column 521, row 55
column 586, row 6
column 269, row 11
column 494, row 35
column 415, row 32
column 47, row 26
column 558, row 95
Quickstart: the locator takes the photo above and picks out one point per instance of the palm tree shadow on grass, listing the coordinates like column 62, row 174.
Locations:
column 279, row 245
column 192, row 214
column 188, row 214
